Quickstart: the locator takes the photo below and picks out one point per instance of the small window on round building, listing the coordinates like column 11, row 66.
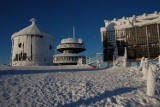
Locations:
column 50, row 47
column 41, row 36
column 20, row 45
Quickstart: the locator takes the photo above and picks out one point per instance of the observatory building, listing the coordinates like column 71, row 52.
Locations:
column 32, row 46
column 69, row 48
column 140, row 34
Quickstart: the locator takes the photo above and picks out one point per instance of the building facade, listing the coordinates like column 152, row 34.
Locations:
column 140, row 34
column 32, row 46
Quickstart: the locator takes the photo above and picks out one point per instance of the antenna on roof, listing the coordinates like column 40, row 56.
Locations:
column 73, row 32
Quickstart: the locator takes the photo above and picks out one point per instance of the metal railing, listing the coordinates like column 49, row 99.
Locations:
column 70, row 46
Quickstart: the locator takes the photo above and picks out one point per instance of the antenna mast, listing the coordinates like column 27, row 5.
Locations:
column 73, row 32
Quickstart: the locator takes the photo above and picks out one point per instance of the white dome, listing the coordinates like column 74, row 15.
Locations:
column 33, row 29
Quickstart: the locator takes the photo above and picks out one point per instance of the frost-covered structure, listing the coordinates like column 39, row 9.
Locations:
column 125, row 57
column 140, row 34
column 142, row 61
column 159, row 60
column 69, row 48
column 151, row 80
column 145, row 68
column 120, row 60
column 32, row 46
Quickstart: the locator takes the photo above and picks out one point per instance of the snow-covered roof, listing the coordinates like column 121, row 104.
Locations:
column 32, row 29
column 127, row 22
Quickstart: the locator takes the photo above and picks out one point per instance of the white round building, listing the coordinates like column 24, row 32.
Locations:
column 32, row 46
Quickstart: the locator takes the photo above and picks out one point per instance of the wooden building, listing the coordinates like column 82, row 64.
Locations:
column 140, row 34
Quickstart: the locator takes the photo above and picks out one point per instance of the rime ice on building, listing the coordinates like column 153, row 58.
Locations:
column 69, row 48
column 32, row 46
column 140, row 34
column 151, row 80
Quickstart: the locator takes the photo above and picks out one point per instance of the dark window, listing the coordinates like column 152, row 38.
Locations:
column 16, row 57
column 20, row 45
column 50, row 47
column 41, row 36
column 24, row 56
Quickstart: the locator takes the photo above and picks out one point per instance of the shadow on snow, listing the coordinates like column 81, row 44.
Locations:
column 100, row 97
column 16, row 72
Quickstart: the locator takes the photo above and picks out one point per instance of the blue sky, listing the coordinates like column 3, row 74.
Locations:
column 58, row 17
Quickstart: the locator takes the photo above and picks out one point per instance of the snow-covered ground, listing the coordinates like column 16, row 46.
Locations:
column 70, row 86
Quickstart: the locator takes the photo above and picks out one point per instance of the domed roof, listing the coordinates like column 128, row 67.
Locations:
column 33, row 29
